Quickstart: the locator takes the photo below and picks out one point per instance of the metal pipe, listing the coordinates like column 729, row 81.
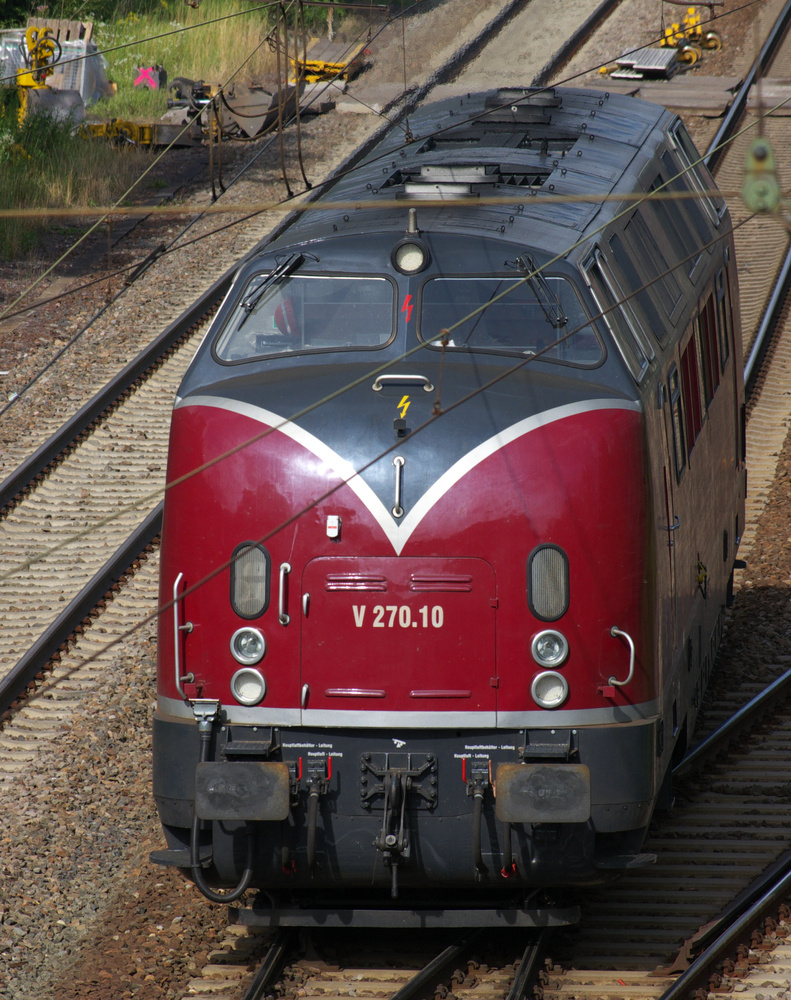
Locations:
column 205, row 727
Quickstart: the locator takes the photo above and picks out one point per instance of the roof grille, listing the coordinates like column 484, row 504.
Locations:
column 459, row 180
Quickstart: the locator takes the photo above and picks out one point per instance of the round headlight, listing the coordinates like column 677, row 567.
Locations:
column 549, row 648
column 248, row 686
column 549, row 690
column 248, row 645
column 409, row 257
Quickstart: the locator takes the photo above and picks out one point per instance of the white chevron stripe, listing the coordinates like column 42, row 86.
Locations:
column 398, row 533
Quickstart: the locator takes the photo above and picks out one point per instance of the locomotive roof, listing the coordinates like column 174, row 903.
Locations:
column 516, row 144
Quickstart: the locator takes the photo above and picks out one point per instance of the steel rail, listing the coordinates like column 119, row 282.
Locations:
column 25, row 473
column 710, row 932
column 425, row 982
column 720, row 141
column 776, row 691
column 527, row 976
column 712, row 157
column 271, row 965
column 574, row 42
column 13, row 685
column 769, row 322
column 726, row 941
column 47, row 453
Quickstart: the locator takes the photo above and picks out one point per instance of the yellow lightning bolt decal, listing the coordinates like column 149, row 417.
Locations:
column 403, row 406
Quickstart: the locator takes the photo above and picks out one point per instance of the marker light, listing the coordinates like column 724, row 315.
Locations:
column 248, row 686
column 248, row 645
column 549, row 690
column 549, row 648
column 410, row 257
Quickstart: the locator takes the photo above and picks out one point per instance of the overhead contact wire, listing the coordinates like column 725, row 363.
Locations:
column 144, row 210
column 162, row 609
column 422, row 345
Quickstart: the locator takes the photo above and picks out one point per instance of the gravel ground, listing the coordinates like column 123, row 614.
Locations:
column 83, row 818
column 82, row 912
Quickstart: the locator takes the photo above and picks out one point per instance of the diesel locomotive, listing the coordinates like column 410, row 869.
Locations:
column 456, row 487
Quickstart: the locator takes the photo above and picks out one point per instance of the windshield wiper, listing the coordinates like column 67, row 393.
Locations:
column 539, row 286
column 289, row 265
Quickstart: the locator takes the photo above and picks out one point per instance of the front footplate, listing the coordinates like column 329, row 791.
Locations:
column 418, row 910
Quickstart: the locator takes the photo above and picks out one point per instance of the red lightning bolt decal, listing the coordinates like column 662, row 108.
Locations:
column 407, row 307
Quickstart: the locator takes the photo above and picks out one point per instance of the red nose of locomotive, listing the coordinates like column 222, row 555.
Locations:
column 440, row 596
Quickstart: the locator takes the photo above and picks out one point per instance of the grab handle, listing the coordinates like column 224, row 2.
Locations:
column 382, row 380
column 615, row 631
column 177, row 628
column 282, row 616
column 398, row 510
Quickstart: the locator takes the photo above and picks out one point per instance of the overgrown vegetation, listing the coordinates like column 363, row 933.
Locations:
column 43, row 164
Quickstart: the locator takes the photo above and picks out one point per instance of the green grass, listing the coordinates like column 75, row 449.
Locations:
column 45, row 164
column 214, row 53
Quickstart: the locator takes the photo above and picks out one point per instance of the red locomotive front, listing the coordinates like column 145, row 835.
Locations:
column 448, row 535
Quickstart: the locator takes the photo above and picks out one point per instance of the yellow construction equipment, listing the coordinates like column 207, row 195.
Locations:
column 327, row 61
column 41, row 53
column 690, row 37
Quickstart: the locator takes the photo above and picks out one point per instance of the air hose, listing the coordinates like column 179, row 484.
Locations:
column 204, row 727
column 313, row 810
column 477, row 813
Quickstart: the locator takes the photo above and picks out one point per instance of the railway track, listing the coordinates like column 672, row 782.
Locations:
column 60, row 500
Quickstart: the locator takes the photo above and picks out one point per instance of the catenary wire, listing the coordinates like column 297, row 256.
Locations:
column 336, row 177
column 526, row 278
column 638, row 198
column 15, row 396
column 372, row 374
column 114, row 209
column 191, row 27
column 168, row 605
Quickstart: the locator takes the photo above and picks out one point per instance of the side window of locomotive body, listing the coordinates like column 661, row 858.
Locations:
column 709, row 354
column 617, row 314
column 668, row 217
column 652, row 263
column 723, row 316
column 690, row 387
column 641, row 297
column 307, row 313
column 687, row 209
column 677, row 417
column 542, row 315
column 698, row 174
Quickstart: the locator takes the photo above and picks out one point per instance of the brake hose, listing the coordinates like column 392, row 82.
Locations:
column 204, row 727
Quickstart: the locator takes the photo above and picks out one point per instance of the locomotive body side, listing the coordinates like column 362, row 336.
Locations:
column 443, row 619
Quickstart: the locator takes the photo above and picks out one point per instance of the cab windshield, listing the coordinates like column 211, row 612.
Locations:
column 532, row 316
column 306, row 312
